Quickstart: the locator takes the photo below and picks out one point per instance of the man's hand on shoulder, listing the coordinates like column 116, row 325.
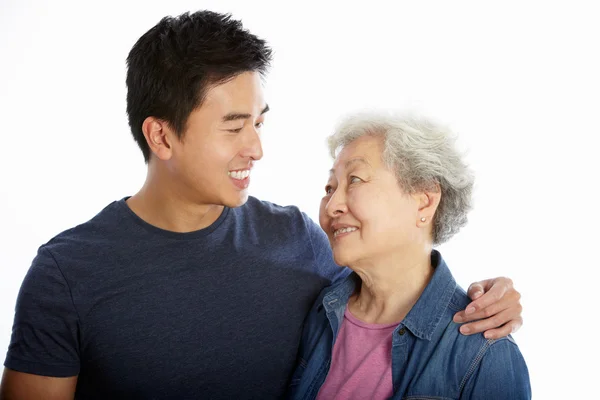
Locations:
column 496, row 308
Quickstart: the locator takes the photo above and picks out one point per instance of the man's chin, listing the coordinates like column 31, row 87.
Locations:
column 237, row 201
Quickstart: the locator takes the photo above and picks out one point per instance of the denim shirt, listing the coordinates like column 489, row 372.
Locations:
column 431, row 359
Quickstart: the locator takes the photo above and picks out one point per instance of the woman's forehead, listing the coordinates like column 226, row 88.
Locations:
column 364, row 150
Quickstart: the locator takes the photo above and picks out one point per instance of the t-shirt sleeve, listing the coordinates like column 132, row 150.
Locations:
column 323, row 255
column 46, row 326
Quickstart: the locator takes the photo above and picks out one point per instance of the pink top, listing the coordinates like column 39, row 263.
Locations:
column 361, row 363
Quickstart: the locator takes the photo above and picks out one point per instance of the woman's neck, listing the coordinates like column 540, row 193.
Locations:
column 391, row 286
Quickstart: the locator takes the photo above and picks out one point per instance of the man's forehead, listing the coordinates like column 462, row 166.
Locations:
column 230, row 108
column 241, row 89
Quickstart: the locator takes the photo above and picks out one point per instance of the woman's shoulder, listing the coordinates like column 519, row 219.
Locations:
column 469, row 350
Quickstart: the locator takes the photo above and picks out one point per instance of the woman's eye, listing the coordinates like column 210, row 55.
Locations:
column 259, row 124
column 355, row 179
column 328, row 189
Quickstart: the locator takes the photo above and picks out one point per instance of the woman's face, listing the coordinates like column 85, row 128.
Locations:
column 365, row 213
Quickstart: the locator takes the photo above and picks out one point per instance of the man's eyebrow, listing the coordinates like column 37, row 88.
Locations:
column 235, row 116
column 352, row 161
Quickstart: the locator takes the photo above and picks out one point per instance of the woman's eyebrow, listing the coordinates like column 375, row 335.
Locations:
column 349, row 163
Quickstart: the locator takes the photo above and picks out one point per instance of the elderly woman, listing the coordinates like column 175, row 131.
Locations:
column 398, row 187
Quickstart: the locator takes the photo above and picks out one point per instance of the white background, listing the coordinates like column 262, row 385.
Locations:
column 518, row 81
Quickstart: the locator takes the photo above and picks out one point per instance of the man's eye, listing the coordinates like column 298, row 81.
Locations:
column 355, row 179
column 328, row 189
column 238, row 130
column 259, row 124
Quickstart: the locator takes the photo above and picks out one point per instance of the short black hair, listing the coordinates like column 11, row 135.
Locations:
column 170, row 67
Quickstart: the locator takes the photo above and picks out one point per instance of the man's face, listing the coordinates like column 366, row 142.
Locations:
column 213, row 159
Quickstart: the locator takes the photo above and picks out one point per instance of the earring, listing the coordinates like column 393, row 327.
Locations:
column 422, row 219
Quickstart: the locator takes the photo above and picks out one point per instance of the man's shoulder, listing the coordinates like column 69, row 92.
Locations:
column 263, row 207
column 93, row 233
column 274, row 216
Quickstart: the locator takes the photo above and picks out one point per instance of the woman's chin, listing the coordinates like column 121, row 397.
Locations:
column 342, row 259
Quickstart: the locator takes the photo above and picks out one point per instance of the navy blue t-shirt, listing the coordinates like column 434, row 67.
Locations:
column 139, row 312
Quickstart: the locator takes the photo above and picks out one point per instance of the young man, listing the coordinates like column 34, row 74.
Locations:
column 188, row 289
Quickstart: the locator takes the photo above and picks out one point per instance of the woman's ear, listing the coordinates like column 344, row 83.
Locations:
column 428, row 202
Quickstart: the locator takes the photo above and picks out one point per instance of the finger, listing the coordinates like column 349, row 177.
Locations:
column 460, row 317
column 502, row 331
column 493, row 295
column 509, row 302
column 486, row 324
column 476, row 290
column 516, row 324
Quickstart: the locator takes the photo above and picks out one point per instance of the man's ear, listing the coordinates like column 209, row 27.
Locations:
column 158, row 135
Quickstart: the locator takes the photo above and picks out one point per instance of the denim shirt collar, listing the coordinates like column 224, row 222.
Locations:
column 424, row 316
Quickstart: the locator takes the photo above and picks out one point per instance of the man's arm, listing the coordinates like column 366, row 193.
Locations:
column 496, row 308
column 42, row 361
column 21, row 386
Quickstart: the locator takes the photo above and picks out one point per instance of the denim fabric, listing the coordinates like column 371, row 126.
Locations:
column 431, row 359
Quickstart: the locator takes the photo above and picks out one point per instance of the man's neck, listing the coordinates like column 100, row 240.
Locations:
column 162, row 205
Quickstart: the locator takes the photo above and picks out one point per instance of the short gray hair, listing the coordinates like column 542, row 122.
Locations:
column 422, row 154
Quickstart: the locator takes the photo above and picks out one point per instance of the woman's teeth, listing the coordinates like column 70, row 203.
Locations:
column 344, row 230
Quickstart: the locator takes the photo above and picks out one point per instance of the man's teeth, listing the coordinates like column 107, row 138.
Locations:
column 239, row 174
column 344, row 230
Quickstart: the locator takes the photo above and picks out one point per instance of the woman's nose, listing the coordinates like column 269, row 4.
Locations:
column 336, row 205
